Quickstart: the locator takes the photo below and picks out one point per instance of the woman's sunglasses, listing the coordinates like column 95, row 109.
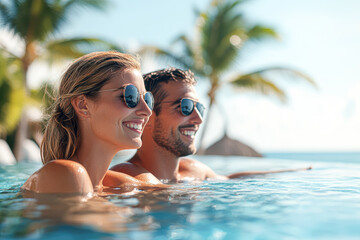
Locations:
column 187, row 107
column 131, row 96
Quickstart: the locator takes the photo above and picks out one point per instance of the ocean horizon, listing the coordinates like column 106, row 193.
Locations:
column 321, row 156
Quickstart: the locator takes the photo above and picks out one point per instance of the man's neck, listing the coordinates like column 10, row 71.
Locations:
column 161, row 163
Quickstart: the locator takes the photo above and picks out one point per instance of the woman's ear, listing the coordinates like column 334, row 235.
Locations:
column 80, row 106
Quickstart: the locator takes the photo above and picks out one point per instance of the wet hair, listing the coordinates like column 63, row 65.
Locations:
column 154, row 80
column 85, row 76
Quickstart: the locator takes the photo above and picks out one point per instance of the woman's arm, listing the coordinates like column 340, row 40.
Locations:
column 119, row 179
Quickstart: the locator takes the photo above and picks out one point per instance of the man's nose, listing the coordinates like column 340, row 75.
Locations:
column 196, row 118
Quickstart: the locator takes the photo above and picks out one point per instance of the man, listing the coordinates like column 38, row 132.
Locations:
column 170, row 133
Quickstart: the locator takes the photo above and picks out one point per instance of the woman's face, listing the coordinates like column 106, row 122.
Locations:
column 111, row 121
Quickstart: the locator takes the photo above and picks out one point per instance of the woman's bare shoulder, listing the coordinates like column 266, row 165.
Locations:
column 60, row 176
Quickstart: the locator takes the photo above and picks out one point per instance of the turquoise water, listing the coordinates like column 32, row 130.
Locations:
column 348, row 157
column 323, row 203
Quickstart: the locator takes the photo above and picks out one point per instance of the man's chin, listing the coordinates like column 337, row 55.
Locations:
column 187, row 152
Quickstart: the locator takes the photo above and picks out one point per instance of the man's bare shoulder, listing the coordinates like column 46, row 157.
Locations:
column 136, row 171
column 128, row 168
column 193, row 168
column 190, row 164
column 60, row 176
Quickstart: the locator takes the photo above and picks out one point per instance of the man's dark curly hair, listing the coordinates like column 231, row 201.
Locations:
column 153, row 82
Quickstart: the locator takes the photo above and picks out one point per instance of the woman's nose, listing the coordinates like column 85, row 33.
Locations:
column 143, row 109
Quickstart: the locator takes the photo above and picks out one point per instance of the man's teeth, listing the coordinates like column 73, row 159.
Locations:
column 133, row 125
column 188, row 133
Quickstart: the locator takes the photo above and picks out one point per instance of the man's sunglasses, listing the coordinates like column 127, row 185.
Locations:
column 131, row 96
column 187, row 106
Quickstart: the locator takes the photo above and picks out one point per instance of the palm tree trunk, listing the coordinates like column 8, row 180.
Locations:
column 225, row 118
column 201, row 149
column 214, row 86
column 21, row 133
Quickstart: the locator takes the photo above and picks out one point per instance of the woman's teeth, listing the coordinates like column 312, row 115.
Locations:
column 133, row 126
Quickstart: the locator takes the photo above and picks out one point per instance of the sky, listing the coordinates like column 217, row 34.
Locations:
column 318, row 37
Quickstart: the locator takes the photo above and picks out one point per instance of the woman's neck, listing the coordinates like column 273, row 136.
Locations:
column 96, row 159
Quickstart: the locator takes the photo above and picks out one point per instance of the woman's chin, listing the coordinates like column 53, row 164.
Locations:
column 134, row 144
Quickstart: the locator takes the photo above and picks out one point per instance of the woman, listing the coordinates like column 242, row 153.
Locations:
column 101, row 108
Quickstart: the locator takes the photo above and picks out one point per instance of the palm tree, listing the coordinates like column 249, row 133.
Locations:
column 36, row 23
column 221, row 33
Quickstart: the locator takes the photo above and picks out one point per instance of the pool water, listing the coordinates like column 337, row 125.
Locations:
column 323, row 203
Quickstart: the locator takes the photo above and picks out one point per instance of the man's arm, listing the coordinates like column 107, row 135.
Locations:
column 199, row 170
column 242, row 174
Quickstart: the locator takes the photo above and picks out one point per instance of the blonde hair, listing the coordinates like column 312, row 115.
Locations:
column 85, row 76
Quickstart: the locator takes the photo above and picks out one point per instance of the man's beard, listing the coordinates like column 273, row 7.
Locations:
column 172, row 143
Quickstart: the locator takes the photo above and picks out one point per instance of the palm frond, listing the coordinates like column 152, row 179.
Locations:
column 10, row 69
column 220, row 25
column 86, row 4
column 288, row 73
column 12, row 94
column 4, row 14
column 187, row 47
column 191, row 54
column 11, row 104
column 165, row 55
column 37, row 20
column 259, row 32
column 59, row 49
column 31, row 20
column 258, row 83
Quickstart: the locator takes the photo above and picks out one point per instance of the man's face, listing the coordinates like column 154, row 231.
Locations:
column 172, row 130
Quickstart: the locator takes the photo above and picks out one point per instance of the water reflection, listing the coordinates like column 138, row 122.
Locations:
column 31, row 214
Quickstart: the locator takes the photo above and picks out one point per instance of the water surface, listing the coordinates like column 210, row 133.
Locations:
column 319, row 204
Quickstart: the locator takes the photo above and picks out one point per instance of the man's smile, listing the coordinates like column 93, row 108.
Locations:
column 188, row 131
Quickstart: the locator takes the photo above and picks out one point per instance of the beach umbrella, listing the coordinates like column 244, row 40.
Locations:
column 230, row 147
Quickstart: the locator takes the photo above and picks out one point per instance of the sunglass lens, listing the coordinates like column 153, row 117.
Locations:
column 200, row 108
column 187, row 106
column 131, row 96
column 149, row 99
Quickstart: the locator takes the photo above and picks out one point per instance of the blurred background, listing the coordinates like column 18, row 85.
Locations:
column 275, row 75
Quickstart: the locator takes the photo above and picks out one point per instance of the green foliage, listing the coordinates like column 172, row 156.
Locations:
column 37, row 20
column 59, row 49
column 44, row 95
column 12, row 93
column 36, row 23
